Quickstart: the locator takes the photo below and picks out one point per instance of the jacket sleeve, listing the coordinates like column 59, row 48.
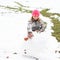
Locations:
column 29, row 26
column 43, row 26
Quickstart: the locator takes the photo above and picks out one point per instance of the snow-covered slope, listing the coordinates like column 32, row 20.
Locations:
column 13, row 30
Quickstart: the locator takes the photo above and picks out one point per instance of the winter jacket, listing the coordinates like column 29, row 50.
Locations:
column 35, row 25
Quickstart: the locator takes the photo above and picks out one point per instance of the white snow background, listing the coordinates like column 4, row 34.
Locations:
column 13, row 28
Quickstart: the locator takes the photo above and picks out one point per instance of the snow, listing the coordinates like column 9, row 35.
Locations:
column 13, row 30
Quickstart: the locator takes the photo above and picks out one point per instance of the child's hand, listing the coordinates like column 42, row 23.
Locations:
column 30, row 34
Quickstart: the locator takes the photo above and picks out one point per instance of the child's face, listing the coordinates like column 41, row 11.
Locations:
column 35, row 17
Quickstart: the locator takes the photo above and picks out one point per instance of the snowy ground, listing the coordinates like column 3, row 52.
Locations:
column 13, row 30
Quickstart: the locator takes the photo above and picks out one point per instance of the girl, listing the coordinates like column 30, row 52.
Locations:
column 35, row 24
column 39, row 47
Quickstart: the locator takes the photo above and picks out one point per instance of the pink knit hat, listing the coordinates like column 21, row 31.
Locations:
column 35, row 13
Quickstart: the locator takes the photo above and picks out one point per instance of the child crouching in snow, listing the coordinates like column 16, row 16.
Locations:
column 34, row 46
column 35, row 24
column 38, row 46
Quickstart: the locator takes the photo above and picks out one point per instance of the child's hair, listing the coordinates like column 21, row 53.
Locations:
column 33, row 19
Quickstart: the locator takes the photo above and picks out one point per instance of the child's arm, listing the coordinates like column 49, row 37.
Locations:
column 29, row 29
column 43, row 26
